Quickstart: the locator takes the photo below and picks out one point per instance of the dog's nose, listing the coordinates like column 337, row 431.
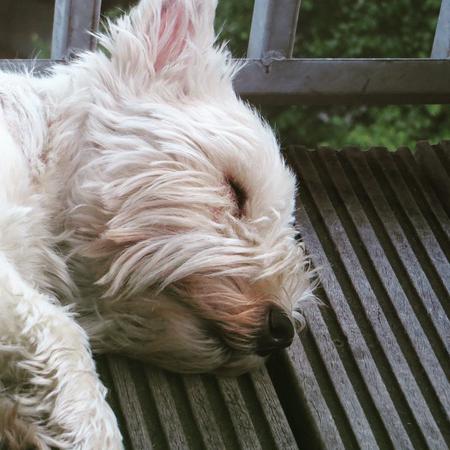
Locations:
column 278, row 333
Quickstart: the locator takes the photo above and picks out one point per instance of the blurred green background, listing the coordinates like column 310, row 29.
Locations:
column 327, row 28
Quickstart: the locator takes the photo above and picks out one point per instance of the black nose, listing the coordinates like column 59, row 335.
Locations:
column 277, row 334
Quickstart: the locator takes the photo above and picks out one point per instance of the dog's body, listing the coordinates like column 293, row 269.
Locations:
column 138, row 188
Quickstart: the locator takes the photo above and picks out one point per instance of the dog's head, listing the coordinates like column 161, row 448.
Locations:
column 184, row 209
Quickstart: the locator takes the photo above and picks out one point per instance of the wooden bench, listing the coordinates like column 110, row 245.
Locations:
column 371, row 370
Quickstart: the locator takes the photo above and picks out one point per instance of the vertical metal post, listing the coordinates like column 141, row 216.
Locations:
column 73, row 21
column 441, row 43
column 274, row 25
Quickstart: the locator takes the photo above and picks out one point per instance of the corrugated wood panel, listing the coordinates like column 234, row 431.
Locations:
column 376, row 223
column 161, row 410
column 371, row 370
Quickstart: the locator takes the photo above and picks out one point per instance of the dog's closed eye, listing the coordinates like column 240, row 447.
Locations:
column 238, row 195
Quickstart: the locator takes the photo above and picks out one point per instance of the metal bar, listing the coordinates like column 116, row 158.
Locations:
column 73, row 22
column 274, row 24
column 346, row 81
column 330, row 81
column 441, row 43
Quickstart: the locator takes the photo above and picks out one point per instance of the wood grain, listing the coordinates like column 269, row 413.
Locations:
column 371, row 369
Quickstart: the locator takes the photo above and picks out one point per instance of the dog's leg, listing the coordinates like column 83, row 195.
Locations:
column 61, row 391
column 44, row 353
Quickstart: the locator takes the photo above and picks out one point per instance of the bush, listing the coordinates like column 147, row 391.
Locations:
column 356, row 29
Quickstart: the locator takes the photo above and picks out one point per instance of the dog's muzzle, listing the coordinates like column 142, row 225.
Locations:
column 278, row 333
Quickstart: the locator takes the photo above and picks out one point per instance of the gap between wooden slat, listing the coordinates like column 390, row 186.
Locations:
column 369, row 302
column 307, row 390
column 436, row 167
column 130, row 403
column 202, row 410
column 397, row 248
column 426, row 198
column 341, row 301
column 273, row 412
column 411, row 218
column 168, row 412
column 397, row 286
column 356, row 416
column 389, row 291
column 242, row 423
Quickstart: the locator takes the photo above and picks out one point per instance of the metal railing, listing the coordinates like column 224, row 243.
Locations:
column 71, row 21
column 441, row 43
column 272, row 76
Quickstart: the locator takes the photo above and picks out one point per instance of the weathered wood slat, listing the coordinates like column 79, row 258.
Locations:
column 394, row 434
column 239, row 414
column 306, row 389
column 339, row 378
column 281, row 432
column 130, row 403
column 103, row 364
column 156, row 416
column 413, row 216
column 370, row 369
column 202, row 412
column 436, row 169
column 384, row 220
column 339, row 301
column 167, row 409
column 387, row 339
column 387, row 276
column 424, row 194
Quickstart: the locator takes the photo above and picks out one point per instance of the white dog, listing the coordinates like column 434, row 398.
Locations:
column 144, row 206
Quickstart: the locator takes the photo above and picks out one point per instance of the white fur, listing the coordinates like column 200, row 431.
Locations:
column 118, row 195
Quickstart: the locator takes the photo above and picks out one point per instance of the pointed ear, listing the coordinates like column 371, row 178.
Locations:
column 161, row 37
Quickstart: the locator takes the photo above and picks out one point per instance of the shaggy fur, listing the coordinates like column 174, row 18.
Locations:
column 15, row 433
column 144, row 209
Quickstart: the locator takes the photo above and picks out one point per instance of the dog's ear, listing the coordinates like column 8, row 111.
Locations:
column 169, row 40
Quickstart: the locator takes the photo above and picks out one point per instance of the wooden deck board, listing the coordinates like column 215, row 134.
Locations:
column 371, row 370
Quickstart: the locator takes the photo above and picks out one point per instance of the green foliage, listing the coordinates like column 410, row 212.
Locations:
column 363, row 28
column 353, row 29
column 233, row 22
column 41, row 45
